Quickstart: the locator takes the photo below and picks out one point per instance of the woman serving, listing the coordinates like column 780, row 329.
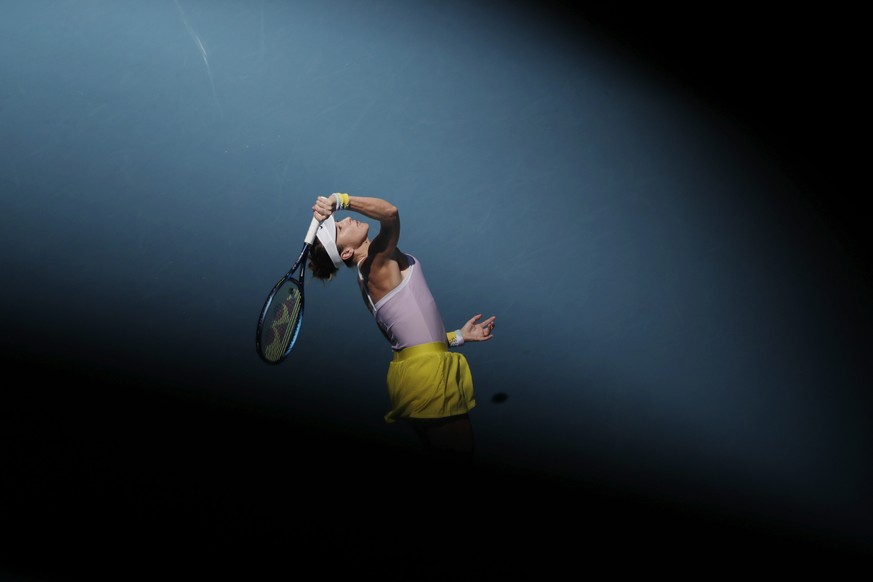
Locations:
column 428, row 385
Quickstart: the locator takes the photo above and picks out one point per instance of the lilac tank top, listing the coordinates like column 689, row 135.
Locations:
column 407, row 315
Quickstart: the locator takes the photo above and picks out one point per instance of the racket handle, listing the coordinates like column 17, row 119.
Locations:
column 310, row 236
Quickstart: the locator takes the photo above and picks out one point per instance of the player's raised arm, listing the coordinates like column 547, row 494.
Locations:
column 380, row 265
column 389, row 223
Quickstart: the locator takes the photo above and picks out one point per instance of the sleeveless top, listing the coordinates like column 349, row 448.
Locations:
column 407, row 315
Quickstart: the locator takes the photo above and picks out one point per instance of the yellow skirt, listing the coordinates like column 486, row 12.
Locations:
column 429, row 381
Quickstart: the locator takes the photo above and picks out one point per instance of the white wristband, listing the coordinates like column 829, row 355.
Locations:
column 458, row 340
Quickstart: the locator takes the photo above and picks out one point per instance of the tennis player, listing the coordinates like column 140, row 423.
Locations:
column 428, row 385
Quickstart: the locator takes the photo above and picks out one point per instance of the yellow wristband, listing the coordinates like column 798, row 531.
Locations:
column 342, row 201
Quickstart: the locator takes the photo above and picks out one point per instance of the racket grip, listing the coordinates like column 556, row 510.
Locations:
column 313, row 227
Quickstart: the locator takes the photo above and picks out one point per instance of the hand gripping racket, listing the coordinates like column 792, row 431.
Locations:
column 282, row 313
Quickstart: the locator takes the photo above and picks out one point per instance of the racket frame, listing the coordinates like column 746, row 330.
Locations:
column 301, row 264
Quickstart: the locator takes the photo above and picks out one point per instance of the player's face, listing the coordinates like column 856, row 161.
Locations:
column 351, row 233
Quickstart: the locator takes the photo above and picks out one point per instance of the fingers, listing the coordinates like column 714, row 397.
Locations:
column 487, row 323
column 487, row 327
column 479, row 332
column 324, row 205
column 323, row 208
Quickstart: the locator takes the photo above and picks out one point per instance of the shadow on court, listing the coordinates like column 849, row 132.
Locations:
column 103, row 477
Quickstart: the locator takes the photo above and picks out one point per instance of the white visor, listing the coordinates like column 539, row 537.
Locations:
column 326, row 233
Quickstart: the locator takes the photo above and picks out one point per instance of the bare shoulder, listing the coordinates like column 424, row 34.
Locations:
column 383, row 276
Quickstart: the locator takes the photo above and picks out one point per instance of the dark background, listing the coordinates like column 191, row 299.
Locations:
column 661, row 206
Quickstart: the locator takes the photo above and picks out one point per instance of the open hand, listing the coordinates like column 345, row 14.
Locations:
column 478, row 332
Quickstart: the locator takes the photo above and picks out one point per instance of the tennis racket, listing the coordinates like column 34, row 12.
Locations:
column 282, row 314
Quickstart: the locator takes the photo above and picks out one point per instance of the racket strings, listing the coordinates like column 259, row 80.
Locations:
column 284, row 322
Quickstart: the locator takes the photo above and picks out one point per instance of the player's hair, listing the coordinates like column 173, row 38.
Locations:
column 320, row 263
